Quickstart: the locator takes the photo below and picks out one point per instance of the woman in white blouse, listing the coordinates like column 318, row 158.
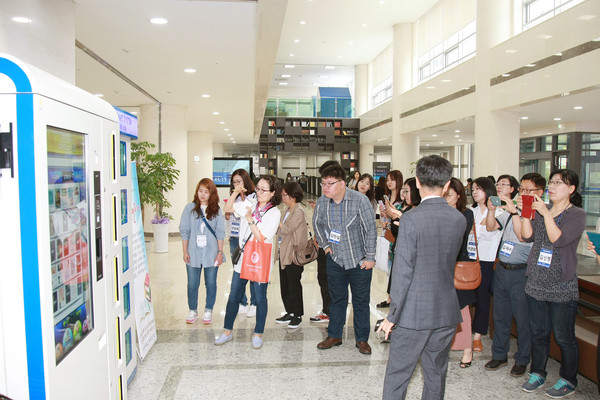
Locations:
column 260, row 217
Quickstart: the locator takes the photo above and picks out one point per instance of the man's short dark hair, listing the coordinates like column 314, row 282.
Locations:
column 538, row 180
column 327, row 164
column 433, row 171
column 334, row 171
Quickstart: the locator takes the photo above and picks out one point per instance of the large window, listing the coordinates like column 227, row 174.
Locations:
column 448, row 54
column 537, row 11
column 383, row 91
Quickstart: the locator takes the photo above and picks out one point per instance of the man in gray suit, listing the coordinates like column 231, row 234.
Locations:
column 424, row 311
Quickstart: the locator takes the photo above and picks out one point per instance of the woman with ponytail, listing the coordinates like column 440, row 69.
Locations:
column 552, row 288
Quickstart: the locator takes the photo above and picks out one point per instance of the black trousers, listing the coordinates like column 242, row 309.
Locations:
column 322, row 279
column 291, row 289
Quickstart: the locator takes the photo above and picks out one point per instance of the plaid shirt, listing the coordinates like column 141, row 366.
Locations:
column 354, row 218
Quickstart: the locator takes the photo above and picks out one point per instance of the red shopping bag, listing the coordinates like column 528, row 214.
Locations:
column 256, row 264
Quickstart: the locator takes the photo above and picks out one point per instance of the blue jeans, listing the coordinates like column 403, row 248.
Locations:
column 547, row 316
column 210, row 280
column 233, row 244
column 510, row 302
column 238, row 287
column 359, row 279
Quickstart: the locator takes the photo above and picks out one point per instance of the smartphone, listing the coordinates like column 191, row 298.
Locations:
column 527, row 211
column 386, row 198
column 496, row 201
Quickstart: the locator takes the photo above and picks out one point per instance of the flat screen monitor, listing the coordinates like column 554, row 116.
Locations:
column 224, row 166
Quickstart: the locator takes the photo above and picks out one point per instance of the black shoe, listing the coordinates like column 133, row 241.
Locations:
column 295, row 322
column 495, row 364
column 284, row 320
column 383, row 304
column 518, row 370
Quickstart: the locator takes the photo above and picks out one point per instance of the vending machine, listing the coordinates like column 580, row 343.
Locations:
column 61, row 301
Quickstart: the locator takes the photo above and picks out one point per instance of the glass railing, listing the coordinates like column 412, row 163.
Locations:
column 315, row 107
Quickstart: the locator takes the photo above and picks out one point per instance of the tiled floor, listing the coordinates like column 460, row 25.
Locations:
column 184, row 363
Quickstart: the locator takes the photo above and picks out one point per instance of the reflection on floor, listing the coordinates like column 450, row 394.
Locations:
column 184, row 363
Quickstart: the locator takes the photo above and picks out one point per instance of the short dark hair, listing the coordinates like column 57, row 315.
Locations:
column 487, row 185
column 294, row 190
column 570, row 178
column 334, row 171
column 513, row 184
column 457, row 186
column 274, row 186
column 433, row 171
column 327, row 164
column 538, row 180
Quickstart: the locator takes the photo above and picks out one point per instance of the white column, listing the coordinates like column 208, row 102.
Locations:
column 496, row 132
column 366, row 158
column 405, row 150
column 302, row 165
column 403, row 57
column 200, row 150
column 361, row 89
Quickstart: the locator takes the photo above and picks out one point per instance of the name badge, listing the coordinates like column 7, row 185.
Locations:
column 235, row 228
column 545, row 258
column 201, row 241
column 472, row 247
column 507, row 249
column 335, row 236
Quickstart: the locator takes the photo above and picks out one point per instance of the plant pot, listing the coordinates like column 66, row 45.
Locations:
column 161, row 238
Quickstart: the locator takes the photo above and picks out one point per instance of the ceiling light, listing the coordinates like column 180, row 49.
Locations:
column 510, row 51
column 189, row 70
column 322, row 76
column 441, row 142
column 446, row 80
column 530, row 65
column 296, row 40
column 289, row 66
column 524, row 117
column 286, row 76
column 557, row 119
column 586, row 17
column 389, row 144
column 216, row 113
column 316, row 84
column 434, row 135
column 291, row 54
column 222, row 122
column 21, row 20
column 351, row 43
column 229, row 134
column 577, row 108
column 381, row 1
column 302, row 22
column 457, row 131
column 558, row 54
column 226, row 129
column 329, row 67
column 158, row 21
column 460, row 140
column 545, row 37
column 340, row 56
column 205, row 96
column 430, row 87
column 565, row 94
column 364, row 25
column 99, row 95
column 427, row 144
column 456, row 135
column 233, row 141
column 283, row 83
column 506, row 75
column 381, row 140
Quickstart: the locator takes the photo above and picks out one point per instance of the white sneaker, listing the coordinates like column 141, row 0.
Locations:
column 242, row 309
column 251, row 312
column 207, row 319
column 192, row 317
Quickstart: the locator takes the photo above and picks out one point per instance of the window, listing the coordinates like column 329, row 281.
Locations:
column 538, row 11
column 457, row 48
column 383, row 91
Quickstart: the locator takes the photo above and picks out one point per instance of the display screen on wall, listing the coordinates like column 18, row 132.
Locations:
column 125, row 253
column 69, row 239
column 126, row 300
column 123, row 158
column 123, row 206
column 223, row 167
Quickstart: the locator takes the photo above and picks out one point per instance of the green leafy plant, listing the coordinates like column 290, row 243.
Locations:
column 157, row 175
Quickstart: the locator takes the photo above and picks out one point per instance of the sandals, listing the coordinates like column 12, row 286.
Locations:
column 477, row 346
column 465, row 364
column 383, row 304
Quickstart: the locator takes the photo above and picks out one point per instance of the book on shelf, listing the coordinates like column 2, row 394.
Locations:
column 312, row 124
column 304, row 123
column 345, row 156
column 271, row 123
column 312, row 131
column 337, row 124
column 337, row 132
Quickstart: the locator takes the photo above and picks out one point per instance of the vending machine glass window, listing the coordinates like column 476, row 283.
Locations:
column 69, row 239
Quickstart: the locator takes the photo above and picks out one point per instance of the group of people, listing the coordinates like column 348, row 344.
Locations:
column 529, row 264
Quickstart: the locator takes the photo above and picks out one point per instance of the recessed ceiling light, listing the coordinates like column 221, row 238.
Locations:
column 364, row 25
column 558, row 54
column 289, row 66
column 506, row 75
column 524, row 117
column 296, row 40
column 577, row 108
column 283, row 83
column 456, row 135
column 351, row 43
column 381, row 140
column 557, row 119
column 302, row 22
column 222, row 122
column 329, row 67
column 586, row 17
column 545, row 37
column 427, row 144
column 322, row 76
column 525, row 133
column 216, row 113
column 233, row 142
column 226, row 129
column 205, row 95
column 510, row 51
column 189, row 70
column 441, row 142
column 340, row 56
column 158, row 21
column 316, row 84
column 291, row 54
column 530, row 65
column 434, row 135
column 446, row 80
column 460, row 140
column 286, row 76
column 565, row 94
column 389, row 144
column 21, row 20
column 430, row 87
column 229, row 134
column 457, row 131
column 99, row 95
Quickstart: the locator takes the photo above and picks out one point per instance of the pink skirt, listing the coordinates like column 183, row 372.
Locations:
column 462, row 338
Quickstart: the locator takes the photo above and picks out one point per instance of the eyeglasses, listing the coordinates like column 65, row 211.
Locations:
column 330, row 184
column 555, row 183
column 502, row 184
column 526, row 190
column 260, row 190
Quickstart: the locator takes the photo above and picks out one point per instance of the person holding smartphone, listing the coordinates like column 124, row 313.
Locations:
column 552, row 288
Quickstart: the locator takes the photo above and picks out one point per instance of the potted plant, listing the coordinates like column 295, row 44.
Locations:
column 157, row 175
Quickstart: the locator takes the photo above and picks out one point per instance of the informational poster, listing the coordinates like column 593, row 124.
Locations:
column 142, row 294
column 69, row 238
column 380, row 169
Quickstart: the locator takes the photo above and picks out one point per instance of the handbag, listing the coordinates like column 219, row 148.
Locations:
column 307, row 254
column 256, row 263
column 467, row 274
column 381, row 254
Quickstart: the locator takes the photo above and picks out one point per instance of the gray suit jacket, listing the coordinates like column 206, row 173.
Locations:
column 422, row 291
